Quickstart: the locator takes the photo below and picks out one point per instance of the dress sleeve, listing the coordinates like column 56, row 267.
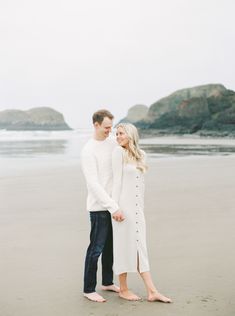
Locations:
column 117, row 166
column 90, row 172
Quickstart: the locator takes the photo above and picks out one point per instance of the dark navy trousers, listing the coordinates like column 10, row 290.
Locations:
column 101, row 242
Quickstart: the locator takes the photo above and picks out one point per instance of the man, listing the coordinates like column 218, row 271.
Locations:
column 97, row 168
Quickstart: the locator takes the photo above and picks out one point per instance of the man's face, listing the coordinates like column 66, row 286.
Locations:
column 103, row 129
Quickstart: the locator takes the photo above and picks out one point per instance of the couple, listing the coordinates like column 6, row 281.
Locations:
column 114, row 175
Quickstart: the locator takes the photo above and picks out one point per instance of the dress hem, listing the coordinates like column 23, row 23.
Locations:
column 132, row 271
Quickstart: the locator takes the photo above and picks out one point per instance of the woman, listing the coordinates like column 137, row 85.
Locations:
column 130, row 251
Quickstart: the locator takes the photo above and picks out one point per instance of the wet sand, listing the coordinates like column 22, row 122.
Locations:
column 190, row 215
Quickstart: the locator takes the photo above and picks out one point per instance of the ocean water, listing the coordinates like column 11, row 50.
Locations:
column 46, row 144
column 41, row 147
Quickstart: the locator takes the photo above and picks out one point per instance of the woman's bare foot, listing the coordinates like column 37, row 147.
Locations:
column 94, row 297
column 156, row 296
column 113, row 288
column 128, row 295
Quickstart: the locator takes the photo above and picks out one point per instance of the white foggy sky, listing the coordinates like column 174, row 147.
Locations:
column 79, row 56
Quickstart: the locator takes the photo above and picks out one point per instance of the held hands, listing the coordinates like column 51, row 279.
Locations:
column 118, row 216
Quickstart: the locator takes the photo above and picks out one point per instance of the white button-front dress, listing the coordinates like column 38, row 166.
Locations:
column 129, row 236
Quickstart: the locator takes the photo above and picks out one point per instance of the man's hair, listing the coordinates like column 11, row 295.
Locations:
column 99, row 116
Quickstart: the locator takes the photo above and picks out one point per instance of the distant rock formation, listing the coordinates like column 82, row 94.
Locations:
column 171, row 102
column 42, row 118
column 136, row 113
column 205, row 110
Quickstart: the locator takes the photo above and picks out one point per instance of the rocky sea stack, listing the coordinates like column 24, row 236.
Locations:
column 42, row 118
column 204, row 110
column 136, row 113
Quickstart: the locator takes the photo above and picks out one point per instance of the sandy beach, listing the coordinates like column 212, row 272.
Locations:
column 190, row 215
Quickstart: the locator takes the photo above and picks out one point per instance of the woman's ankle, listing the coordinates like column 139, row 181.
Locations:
column 152, row 290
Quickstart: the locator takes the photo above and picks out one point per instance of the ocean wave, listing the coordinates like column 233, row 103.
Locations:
column 43, row 135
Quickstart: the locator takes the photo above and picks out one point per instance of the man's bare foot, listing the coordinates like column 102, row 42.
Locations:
column 156, row 296
column 94, row 297
column 128, row 295
column 113, row 288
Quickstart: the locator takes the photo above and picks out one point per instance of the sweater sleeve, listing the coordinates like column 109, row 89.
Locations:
column 89, row 169
column 117, row 166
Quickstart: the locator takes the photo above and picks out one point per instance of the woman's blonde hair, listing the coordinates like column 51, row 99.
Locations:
column 133, row 153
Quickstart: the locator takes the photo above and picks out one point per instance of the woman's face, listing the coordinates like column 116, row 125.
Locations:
column 122, row 137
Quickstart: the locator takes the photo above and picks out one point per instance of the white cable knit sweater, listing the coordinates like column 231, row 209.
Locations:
column 96, row 159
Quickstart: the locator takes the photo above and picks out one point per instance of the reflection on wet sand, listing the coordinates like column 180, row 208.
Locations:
column 158, row 147
column 187, row 149
column 37, row 148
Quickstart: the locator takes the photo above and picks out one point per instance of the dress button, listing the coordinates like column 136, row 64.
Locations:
column 136, row 186
column 136, row 213
column 136, row 222
column 136, row 195
column 137, row 231
column 136, row 204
